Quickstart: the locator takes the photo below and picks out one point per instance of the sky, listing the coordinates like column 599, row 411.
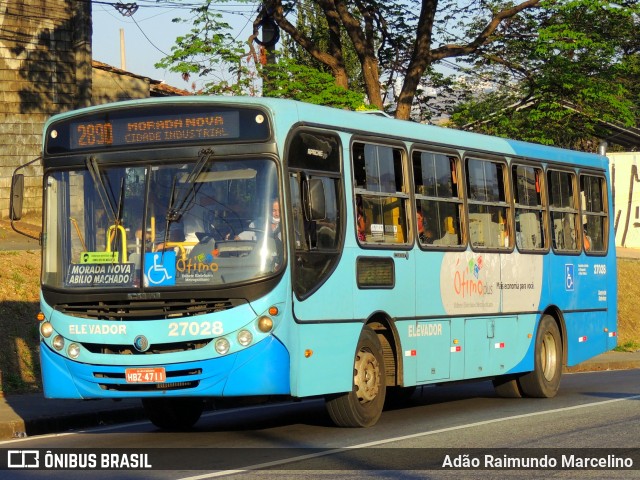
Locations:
column 150, row 34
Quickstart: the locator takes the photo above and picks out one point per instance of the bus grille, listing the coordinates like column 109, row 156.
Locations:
column 154, row 349
column 142, row 387
column 149, row 387
column 143, row 309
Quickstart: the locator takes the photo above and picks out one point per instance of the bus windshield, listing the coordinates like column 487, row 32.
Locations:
column 198, row 223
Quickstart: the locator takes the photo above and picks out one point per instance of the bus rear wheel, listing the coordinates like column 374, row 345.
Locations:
column 179, row 413
column 544, row 380
column 507, row 386
column 362, row 406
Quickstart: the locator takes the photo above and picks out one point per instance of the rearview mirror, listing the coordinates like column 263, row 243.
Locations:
column 17, row 195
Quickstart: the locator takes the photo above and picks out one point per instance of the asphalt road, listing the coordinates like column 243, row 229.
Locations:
column 593, row 410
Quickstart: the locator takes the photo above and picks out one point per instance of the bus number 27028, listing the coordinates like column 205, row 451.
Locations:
column 179, row 329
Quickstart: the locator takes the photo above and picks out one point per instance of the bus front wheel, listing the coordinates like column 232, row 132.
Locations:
column 177, row 413
column 362, row 406
column 544, row 380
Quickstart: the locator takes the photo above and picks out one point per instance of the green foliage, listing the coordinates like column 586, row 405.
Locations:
column 289, row 79
column 580, row 69
column 208, row 49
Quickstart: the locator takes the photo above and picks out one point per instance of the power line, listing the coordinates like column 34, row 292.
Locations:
column 148, row 39
column 152, row 4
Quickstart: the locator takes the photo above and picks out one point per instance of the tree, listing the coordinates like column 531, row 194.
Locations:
column 208, row 49
column 290, row 79
column 578, row 70
column 391, row 39
column 297, row 75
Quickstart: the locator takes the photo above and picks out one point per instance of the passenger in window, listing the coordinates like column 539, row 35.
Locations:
column 361, row 223
column 587, row 239
column 425, row 235
column 504, row 232
column 450, row 236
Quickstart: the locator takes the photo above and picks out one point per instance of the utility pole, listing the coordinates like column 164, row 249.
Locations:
column 123, row 57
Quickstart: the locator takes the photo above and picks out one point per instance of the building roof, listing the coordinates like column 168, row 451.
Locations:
column 157, row 88
column 627, row 137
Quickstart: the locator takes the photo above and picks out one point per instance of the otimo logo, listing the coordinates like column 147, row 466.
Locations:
column 467, row 281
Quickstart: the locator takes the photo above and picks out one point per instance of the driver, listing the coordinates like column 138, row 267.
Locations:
column 274, row 225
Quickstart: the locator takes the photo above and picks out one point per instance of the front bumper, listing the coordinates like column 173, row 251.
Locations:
column 260, row 370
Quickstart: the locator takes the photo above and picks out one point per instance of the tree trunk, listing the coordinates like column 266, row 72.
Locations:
column 342, row 79
column 372, row 81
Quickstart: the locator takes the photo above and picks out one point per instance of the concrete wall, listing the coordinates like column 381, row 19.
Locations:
column 626, row 190
column 45, row 68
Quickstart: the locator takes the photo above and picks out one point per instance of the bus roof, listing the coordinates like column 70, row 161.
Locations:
column 289, row 112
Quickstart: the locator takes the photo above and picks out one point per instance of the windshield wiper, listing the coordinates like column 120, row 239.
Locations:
column 115, row 211
column 176, row 209
column 94, row 171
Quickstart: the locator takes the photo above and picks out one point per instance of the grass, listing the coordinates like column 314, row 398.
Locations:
column 19, row 297
column 19, row 342
column 628, row 293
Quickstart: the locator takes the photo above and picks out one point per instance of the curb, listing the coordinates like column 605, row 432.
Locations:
column 611, row 360
column 603, row 366
column 21, row 428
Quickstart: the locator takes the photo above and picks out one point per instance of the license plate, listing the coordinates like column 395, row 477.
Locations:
column 145, row 375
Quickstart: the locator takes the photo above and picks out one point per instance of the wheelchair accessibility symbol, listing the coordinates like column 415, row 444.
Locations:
column 160, row 269
column 568, row 278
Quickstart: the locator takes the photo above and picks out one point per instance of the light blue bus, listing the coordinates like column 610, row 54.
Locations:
column 208, row 247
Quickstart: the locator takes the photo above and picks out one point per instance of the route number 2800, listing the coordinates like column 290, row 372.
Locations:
column 180, row 329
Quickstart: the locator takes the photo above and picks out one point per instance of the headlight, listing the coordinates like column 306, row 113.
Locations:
column 245, row 337
column 222, row 346
column 58, row 342
column 265, row 324
column 46, row 329
column 73, row 350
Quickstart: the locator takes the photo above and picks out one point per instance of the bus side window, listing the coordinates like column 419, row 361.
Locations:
column 437, row 200
column 489, row 211
column 564, row 214
column 594, row 214
column 529, row 208
column 379, row 177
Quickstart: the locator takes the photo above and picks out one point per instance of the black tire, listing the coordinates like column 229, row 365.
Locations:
column 544, row 380
column 179, row 413
column 507, row 386
column 363, row 405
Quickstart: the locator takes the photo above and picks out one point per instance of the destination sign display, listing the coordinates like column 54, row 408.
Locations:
column 151, row 126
